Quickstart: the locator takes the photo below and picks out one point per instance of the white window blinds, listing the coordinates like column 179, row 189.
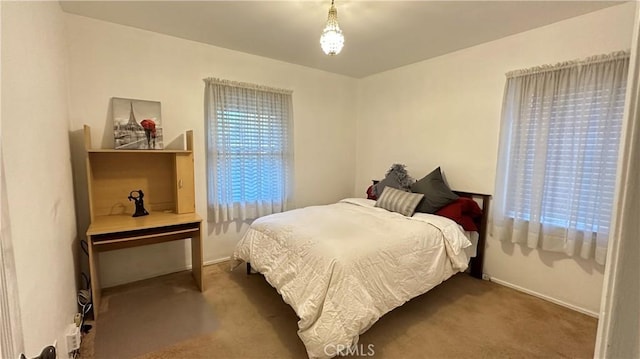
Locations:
column 558, row 155
column 249, row 150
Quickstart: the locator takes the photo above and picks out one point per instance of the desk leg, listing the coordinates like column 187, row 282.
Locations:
column 95, row 277
column 196, row 257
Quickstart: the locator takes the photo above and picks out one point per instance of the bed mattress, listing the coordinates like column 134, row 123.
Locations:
column 344, row 265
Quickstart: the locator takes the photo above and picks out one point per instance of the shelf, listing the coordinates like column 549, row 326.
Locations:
column 165, row 176
column 125, row 222
column 140, row 235
column 100, row 150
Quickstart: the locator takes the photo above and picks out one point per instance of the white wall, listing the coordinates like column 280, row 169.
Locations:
column 38, row 168
column 446, row 112
column 109, row 60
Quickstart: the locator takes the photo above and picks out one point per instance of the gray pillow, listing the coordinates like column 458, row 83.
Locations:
column 389, row 181
column 395, row 200
column 436, row 192
column 396, row 177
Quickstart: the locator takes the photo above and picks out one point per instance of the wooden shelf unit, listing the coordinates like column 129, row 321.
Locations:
column 166, row 178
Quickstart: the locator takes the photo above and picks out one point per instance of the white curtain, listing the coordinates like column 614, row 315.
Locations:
column 249, row 150
column 559, row 139
column 11, row 343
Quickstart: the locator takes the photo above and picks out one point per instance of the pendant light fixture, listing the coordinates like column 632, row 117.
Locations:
column 332, row 40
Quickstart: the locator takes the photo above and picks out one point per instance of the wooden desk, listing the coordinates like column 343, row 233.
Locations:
column 123, row 231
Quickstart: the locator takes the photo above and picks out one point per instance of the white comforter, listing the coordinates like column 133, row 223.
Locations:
column 342, row 266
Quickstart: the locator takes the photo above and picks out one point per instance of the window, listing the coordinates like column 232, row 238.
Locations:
column 581, row 157
column 249, row 144
column 558, row 155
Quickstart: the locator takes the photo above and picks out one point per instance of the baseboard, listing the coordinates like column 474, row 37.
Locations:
column 205, row 263
column 215, row 261
column 168, row 271
column 545, row 297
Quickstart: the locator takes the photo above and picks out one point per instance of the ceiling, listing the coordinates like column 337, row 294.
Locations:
column 379, row 35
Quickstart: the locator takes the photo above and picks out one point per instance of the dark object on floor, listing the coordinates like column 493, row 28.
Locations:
column 86, row 328
column 47, row 353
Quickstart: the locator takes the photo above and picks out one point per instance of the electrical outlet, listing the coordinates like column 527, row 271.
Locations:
column 73, row 338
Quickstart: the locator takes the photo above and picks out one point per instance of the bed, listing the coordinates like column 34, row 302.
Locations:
column 344, row 265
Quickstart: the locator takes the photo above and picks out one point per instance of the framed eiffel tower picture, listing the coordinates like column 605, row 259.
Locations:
column 137, row 124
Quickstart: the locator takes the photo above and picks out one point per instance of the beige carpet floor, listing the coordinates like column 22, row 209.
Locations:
column 461, row 318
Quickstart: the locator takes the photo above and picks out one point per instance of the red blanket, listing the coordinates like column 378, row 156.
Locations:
column 464, row 211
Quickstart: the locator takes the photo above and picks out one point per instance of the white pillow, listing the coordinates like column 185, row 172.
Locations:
column 395, row 200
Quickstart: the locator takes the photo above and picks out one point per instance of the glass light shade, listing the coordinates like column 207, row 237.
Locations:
column 332, row 39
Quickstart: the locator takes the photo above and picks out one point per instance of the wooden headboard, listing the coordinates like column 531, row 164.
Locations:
column 478, row 260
